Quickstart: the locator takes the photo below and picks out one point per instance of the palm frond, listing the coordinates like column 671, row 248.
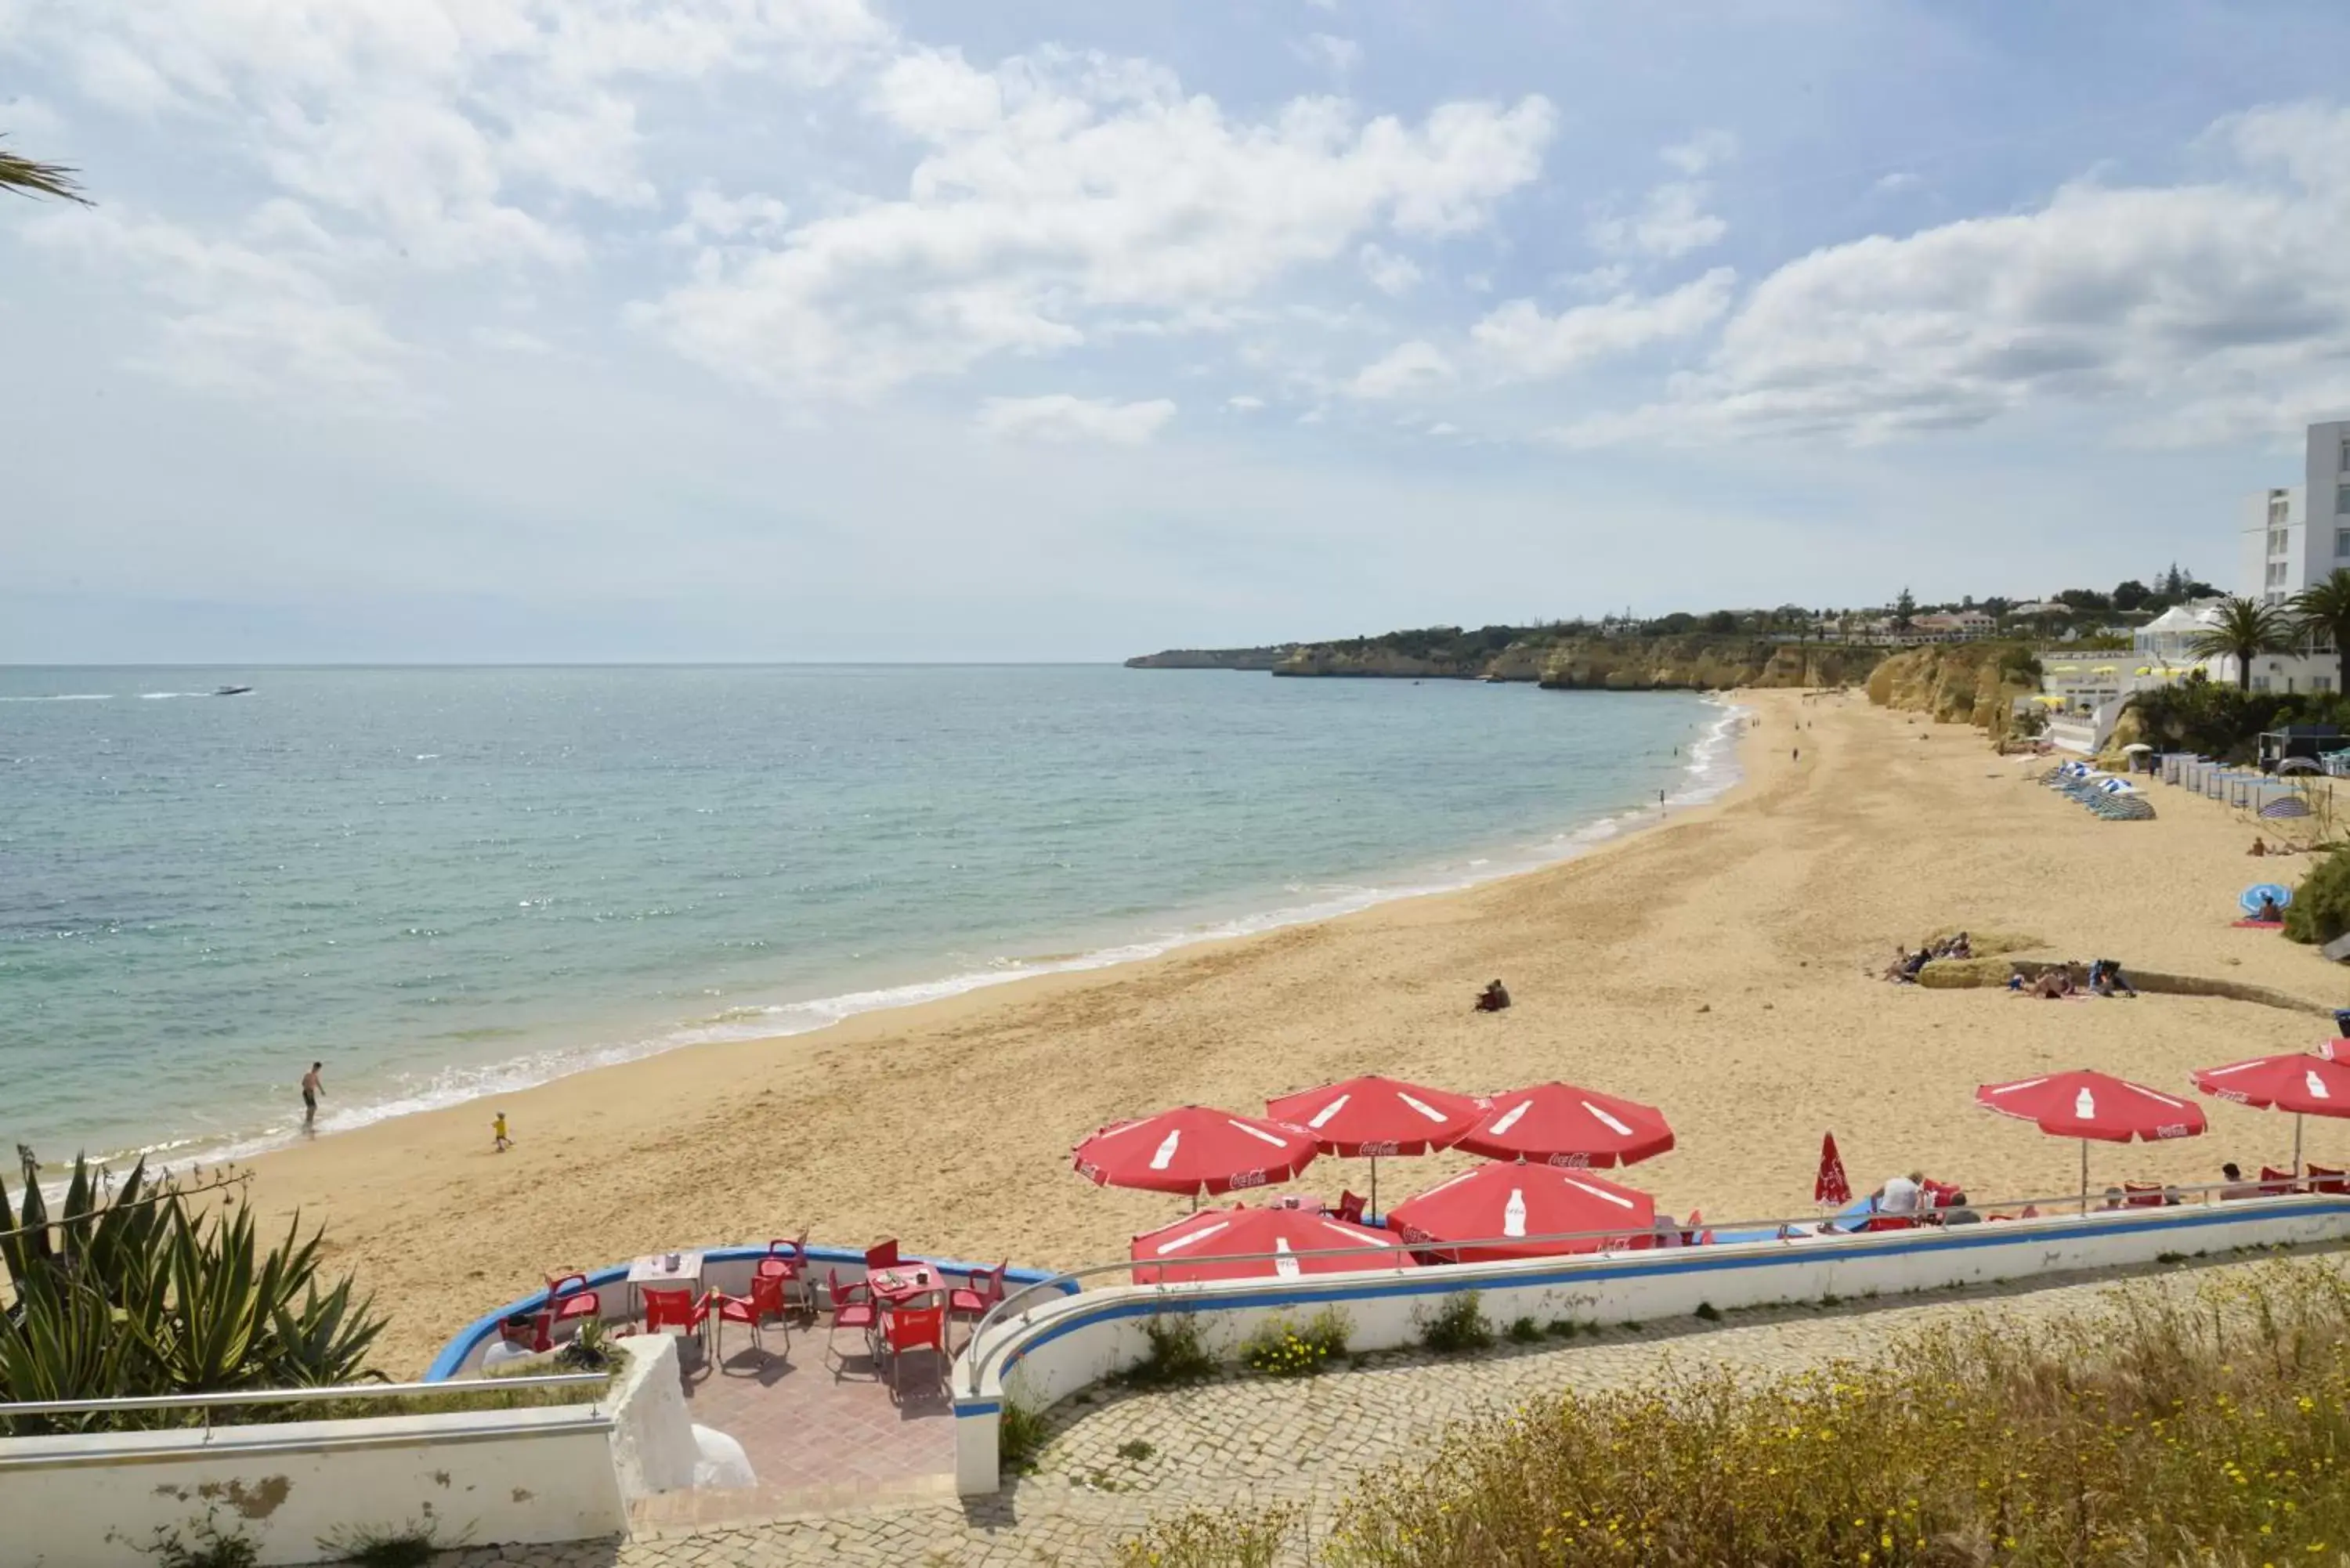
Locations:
column 26, row 177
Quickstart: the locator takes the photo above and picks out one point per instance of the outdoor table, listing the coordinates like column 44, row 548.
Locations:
column 905, row 1283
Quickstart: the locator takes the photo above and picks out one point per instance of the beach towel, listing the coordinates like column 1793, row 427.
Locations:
column 2258, row 925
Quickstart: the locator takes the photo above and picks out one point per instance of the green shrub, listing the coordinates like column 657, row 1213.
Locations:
column 1179, row 1355
column 411, row 1546
column 204, row 1545
column 1283, row 1348
column 2320, row 910
column 1204, row 1538
column 2209, row 1428
column 1019, row 1437
column 1525, row 1331
column 1457, row 1326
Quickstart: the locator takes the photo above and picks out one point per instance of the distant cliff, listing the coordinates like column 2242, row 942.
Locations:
column 1693, row 662
column 1959, row 684
column 1212, row 658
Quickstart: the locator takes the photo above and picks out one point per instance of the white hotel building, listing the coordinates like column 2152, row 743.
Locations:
column 2288, row 539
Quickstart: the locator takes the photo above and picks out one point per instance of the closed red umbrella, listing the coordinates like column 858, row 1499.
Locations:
column 1559, row 1124
column 2086, row 1105
column 1830, row 1186
column 1498, row 1205
column 1194, row 1149
column 1208, row 1245
column 1369, row 1116
column 2299, row 1082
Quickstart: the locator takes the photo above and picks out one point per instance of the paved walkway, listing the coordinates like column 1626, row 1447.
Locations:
column 1116, row 1460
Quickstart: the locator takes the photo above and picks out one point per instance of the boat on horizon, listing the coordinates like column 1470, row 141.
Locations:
column 230, row 690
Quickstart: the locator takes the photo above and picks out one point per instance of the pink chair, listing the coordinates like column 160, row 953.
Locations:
column 766, row 1301
column 851, row 1307
column 669, row 1309
column 569, row 1297
column 1350, row 1207
column 976, row 1300
column 914, row 1328
column 2274, row 1182
column 2142, row 1194
column 2325, row 1178
column 881, row 1255
column 786, row 1262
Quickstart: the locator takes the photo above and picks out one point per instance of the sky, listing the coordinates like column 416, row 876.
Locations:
column 475, row 330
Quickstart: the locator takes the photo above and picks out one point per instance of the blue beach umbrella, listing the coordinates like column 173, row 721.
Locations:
column 2285, row 805
column 2259, row 890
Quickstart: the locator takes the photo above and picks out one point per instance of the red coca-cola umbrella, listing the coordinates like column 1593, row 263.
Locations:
column 1229, row 1244
column 2086, row 1105
column 1830, row 1186
column 1194, row 1149
column 2305, row 1084
column 1364, row 1118
column 1508, row 1208
column 1559, row 1124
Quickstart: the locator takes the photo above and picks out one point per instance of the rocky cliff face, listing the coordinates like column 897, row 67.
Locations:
column 1699, row 664
column 1211, row 659
column 1958, row 683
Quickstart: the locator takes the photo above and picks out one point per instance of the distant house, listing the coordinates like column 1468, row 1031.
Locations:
column 1953, row 626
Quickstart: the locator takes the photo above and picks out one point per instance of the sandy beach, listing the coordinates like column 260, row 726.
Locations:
column 1721, row 966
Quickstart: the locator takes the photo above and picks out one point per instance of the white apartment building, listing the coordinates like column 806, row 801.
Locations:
column 2288, row 538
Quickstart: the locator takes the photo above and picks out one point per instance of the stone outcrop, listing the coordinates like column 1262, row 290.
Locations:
column 1701, row 664
column 1958, row 683
column 1211, row 659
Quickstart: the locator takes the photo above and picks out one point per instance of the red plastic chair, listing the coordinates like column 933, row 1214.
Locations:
column 2142, row 1194
column 851, row 1307
column 985, row 1291
column 1938, row 1194
column 1350, row 1208
column 2273, row 1180
column 2325, row 1178
column 766, row 1301
column 567, row 1302
column 914, row 1328
column 881, row 1255
column 1890, row 1222
column 668, row 1309
column 786, row 1262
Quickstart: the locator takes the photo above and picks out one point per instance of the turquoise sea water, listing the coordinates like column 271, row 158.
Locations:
column 446, row 882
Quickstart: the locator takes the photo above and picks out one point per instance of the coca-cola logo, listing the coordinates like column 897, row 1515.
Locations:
column 1091, row 1172
column 2174, row 1129
column 1248, row 1179
column 1572, row 1161
column 1372, row 1150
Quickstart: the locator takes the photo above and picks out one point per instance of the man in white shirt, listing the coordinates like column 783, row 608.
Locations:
column 1900, row 1194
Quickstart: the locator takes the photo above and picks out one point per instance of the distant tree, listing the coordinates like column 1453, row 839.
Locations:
column 2323, row 609
column 2085, row 600
column 27, row 178
column 1722, row 621
column 1903, row 608
column 1997, row 606
column 1678, row 624
column 2245, row 629
column 2130, row 595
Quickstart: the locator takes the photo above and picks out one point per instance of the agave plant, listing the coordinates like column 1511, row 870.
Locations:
column 147, row 1292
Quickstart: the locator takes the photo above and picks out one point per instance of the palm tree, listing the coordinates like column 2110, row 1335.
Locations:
column 2324, row 607
column 2246, row 629
column 28, row 178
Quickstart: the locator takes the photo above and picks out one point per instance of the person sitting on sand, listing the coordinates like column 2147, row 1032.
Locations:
column 1494, row 998
column 1913, row 966
column 2054, row 985
column 2115, row 1198
column 1956, row 1212
column 2235, row 1185
column 2105, row 978
column 2258, row 847
column 2268, row 914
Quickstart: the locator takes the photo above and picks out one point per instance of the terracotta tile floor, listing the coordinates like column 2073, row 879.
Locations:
column 817, row 1430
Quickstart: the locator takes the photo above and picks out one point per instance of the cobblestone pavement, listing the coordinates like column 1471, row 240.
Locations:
column 1248, row 1441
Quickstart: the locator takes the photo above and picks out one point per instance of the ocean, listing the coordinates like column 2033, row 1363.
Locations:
column 448, row 882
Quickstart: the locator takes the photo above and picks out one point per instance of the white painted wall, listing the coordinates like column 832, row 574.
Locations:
column 653, row 1448
column 488, row 1477
column 1063, row 1343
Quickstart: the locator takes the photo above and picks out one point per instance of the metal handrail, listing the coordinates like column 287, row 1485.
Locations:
column 299, row 1395
column 980, row 1355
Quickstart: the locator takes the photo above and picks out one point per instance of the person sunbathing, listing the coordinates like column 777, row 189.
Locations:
column 1494, row 998
column 2053, row 985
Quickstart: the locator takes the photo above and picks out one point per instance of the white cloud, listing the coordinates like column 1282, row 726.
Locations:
column 1336, row 54
column 2207, row 309
column 512, row 340
column 1899, row 180
column 1061, row 418
column 1705, row 150
column 1244, row 403
column 1518, row 341
column 1390, row 273
column 1443, row 428
column 235, row 319
column 713, row 217
column 1408, row 369
column 1062, row 195
column 1672, row 222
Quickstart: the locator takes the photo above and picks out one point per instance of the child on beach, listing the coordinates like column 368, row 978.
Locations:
column 498, row 1133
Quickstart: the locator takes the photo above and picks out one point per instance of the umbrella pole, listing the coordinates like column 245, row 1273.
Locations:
column 2084, row 1176
column 2296, row 1143
column 1373, row 1208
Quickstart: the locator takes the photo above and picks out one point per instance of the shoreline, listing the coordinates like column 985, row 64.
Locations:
column 1713, row 769
column 1720, row 966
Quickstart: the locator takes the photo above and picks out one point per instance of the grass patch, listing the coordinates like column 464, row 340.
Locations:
column 1524, row 1331
column 1019, row 1438
column 1178, row 1355
column 1283, row 1348
column 2210, row 1427
column 411, row 1546
column 1136, row 1449
column 1457, row 1326
column 1707, row 1312
column 1205, row 1538
column 1562, row 1328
